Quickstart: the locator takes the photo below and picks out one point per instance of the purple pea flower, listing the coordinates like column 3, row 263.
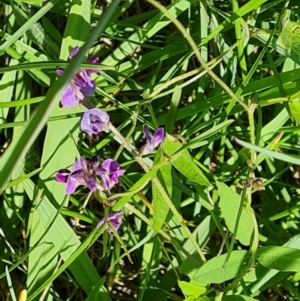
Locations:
column 110, row 172
column 94, row 121
column 84, row 172
column 153, row 140
column 114, row 219
column 81, row 85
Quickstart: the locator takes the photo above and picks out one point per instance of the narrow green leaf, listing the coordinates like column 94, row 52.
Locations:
column 10, row 285
column 286, row 158
column 229, row 204
column 27, row 25
column 279, row 258
column 213, row 271
column 61, row 239
column 184, row 164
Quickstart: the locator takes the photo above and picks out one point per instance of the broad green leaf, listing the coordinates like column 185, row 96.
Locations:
column 7, row 83
column 213, row 271
column 184, row 164
column 60, row 238
column 229, row 204
column 160, row 207
column 238, row 298
column 191, row 289
column 279, row 258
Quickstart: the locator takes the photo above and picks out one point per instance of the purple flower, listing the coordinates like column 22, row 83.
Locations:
column 110, row 172
column 84, row 172
column 81, row 85
column 152, row 140
column 114, row 219
column 94, row 121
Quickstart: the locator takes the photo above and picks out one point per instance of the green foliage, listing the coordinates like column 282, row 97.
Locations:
column 279, row 258
column 230, row 202
column 217, row 271
column 212, row 213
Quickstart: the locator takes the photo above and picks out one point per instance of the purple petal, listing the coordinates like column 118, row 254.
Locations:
column 94, row 162
column 148, row 134
column 158, row 136
column 78, row 165
column 94, row 121
column 62, row 175
column 110, row 171
column 59, row 71
column 146, row 148
column 93, row 60
column 115, row 219
column 69, row 98
column 106, row 164
column 71, row 186
column 84, row 163
column 115, row 175
column 78, row 176
column 73, row 52
column 91, row 183
column 89, row 90
column 105, row 181
column 85, row 77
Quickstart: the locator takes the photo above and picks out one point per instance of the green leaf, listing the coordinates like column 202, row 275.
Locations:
column 203, row 299
column 291, row 36
column 229, row 204
column 160, row 206
column 184, row 164
column 213, row 271
column 279, row 258
column 30, row 1
column 238, row 298
column 295, row 111
column 191, row 289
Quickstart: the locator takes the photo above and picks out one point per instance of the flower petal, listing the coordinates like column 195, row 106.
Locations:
column 158, row 136
column 93, row 60
column 69, row 98
column 94, row 162
column 78, row 165
column 91, row 183
column 115, row 219
column 62, row 175
column 74, row 52
column 94, row 121
column 148, row 134
column 71, row 186
column 88, row 90
column 106, row 164
column 59, row 71
column 146, row 148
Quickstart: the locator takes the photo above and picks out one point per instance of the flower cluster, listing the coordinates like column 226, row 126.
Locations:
column 89, row 172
